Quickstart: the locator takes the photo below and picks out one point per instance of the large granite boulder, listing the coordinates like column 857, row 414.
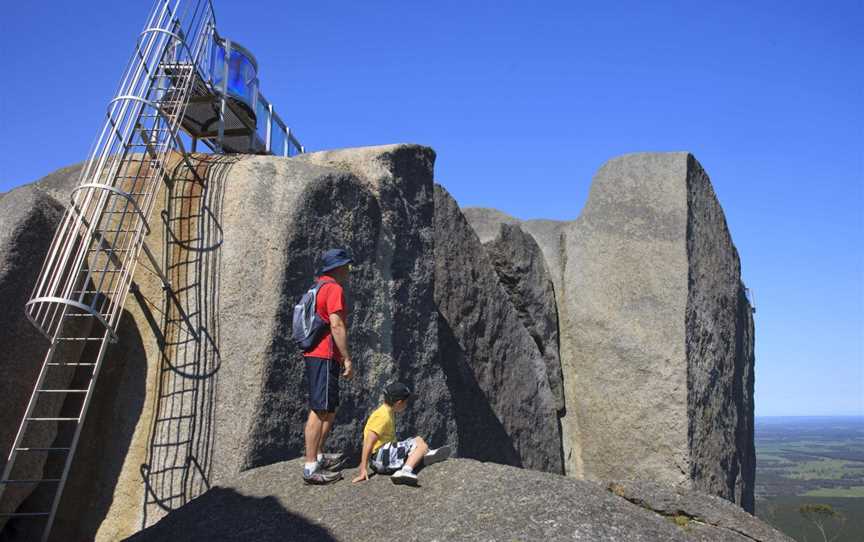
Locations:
column 205, row 382
column 656, row 329
column 522, row 272
column 28, row 218
column 656, row 332
column 459, row 499
column 377, row 202
column 505, row 410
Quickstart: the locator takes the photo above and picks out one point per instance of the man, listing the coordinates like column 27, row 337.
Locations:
column 325, row 362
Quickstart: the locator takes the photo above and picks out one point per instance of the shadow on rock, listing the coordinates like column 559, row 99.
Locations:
column 481, row 434
column 224, row 514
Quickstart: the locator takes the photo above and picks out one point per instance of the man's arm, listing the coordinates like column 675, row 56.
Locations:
column 340, row 337
column 368, row 443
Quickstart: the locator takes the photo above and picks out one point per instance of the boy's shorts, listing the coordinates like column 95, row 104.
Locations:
column 391, row 456
column 323, row 377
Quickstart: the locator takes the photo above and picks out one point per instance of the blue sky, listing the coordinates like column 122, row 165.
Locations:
column 523, row 102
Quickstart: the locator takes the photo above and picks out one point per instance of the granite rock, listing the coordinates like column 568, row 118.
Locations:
column 656, row 331
column 460, row 499
column 703, row 516
column 505, row 410
column 522, row 272
column 651, row 319
column 28, row 218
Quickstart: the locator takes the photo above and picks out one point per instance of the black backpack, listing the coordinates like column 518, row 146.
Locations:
column 308, row 327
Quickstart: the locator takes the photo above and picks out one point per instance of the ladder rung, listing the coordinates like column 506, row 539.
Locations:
column 62, row 391
column 78, row 338
column 55, row 449
column 43, row 481
column 24, row 514
column 54, row 364
column 53, row 419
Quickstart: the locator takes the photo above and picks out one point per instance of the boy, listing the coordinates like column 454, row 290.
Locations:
column 388, row 455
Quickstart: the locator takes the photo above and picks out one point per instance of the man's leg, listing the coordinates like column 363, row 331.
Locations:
column 313, row 433
column 326, row 425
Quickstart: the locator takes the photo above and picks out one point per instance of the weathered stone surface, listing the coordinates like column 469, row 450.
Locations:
column 504, row 408
column 720, row 351
column 28, row 218
column 398, row 332
column 522, row 272
column 179, row 413
column 377, row 202
column 652, row 286
column 702, row 516
column 656, row 344
column 622, row 321
column 548, row 234
column 656, row 333
column 459, row 499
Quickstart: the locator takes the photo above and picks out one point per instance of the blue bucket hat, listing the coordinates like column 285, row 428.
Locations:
column 333, row 258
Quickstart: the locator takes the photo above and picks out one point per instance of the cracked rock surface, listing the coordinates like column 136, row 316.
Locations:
column 705, row 517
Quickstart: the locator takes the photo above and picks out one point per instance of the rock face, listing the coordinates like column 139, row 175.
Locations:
column 377, row 202
column 497, row 374
column 458, row 500
column 703, row 517
column 28, row 218
column 522, row 272
column 656, row 333
column 178, row 413
column 720, row 351
column 656, row 348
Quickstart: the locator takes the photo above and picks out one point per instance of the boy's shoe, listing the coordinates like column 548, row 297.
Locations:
column 321, row 477
column 404, row 477
column 332, row 461
column 435, row 456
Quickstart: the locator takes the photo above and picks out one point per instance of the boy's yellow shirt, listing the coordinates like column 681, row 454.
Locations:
column 383, row 423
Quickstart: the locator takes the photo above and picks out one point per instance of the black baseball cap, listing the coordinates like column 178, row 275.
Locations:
column 333, row 258
column 397, row 391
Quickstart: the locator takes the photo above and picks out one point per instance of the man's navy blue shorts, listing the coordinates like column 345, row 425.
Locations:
column 323, row 377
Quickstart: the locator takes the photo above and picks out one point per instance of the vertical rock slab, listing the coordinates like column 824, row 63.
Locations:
column 522, row 272
column 653, row 324
column 720, row 355
column 403, row 326
column 278, row 217
column 504, row 407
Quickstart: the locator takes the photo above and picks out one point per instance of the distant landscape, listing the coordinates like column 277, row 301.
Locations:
column 811, row 461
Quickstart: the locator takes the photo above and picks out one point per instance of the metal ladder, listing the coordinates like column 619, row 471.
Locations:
column 82, row 288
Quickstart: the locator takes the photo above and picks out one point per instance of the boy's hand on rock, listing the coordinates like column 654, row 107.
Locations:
column 361, row 477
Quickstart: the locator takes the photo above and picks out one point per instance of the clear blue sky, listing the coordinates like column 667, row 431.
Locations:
column 523, row 102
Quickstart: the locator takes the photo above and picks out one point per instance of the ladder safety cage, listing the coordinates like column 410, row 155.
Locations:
column 182, row 76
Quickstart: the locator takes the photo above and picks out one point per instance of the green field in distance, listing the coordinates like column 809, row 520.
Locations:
column 810, row 460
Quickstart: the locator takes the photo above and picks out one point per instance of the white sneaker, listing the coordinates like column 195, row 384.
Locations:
column 434, row 456
column 404, row 477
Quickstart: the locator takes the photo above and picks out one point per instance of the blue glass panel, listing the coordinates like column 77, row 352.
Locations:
column 262, row 118
column 217, row 58
column 242, row 78
column 277, row 138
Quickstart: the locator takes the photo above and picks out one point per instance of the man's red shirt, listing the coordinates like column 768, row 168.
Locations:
column 331, row 298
